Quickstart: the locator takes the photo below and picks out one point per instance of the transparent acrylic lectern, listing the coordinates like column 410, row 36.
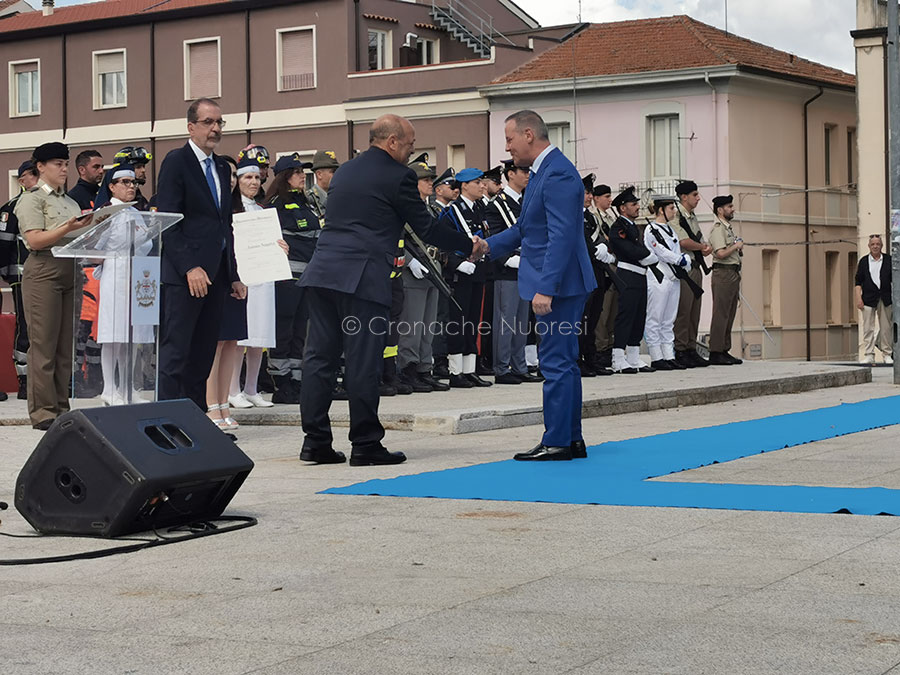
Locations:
column 117, row 307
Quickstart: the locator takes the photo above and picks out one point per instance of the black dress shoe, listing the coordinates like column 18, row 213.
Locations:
column 646, row 369
column 544, row 453
column 477, row 381
column 579, row 450
column 719, row 359
column 375, row 457
column 401, row 387
column 322, row 456
column 735, row 361
column 627, row 371
column 43, row 425
column 440, row 373
column 460, row 382
column 436, row 385
column 661, row 364
column 675, row 365
column 602, row 371
column 684, row 358
column 386, row 390
column 585, row 370
column 528, row 377
column 698, row 361
column 507, row 378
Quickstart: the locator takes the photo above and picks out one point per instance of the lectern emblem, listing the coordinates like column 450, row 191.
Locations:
column 145, row 290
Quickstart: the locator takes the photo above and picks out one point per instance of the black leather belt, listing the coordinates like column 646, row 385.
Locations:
column 723, row 266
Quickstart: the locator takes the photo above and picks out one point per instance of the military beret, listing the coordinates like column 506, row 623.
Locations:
column 588, row 182
column 722, row 200
column 25, row 167
column 625, row 196
column 448, row 177
column 325, row 159
column 51, row 151
column 494, row 174
column 600, row 190
column 685, row 187
column 467, row 175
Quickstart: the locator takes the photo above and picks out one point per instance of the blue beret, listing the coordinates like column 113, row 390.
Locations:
column 467, row 175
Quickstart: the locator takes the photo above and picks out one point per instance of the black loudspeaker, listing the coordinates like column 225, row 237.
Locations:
column 123, row 469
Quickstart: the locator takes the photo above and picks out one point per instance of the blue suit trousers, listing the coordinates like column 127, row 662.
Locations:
column 558, row 354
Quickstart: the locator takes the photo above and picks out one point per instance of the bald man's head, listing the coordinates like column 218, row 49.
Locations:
column 395, row 135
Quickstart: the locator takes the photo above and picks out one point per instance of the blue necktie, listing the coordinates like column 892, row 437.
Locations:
column 211, row 181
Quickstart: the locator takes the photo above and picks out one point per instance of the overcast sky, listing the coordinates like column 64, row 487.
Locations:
column 814, row 29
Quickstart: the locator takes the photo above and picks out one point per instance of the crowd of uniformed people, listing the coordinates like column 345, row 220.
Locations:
column 453, row 322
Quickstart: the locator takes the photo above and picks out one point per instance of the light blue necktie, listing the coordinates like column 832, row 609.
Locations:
column 211, row 181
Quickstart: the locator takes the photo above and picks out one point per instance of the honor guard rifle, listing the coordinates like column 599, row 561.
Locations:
column 419, row 249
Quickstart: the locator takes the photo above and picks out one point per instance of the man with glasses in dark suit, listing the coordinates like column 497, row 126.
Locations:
column 197, row 266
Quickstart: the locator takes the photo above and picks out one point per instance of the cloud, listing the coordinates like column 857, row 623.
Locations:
column 812, row 29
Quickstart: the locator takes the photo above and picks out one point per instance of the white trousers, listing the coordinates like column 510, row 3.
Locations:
column 883, row 316
column 662, row 306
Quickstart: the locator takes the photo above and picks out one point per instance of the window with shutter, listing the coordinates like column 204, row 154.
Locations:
column 110, row 83
column 25, row 88
column 203, row 69
column 298, row 59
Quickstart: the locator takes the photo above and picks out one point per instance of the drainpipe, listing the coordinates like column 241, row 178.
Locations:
column 356, row 43
column 349, row 140
column 247, row 70
column 806, row 214
column 153, row 97
column 65, row 89
column 715, row 107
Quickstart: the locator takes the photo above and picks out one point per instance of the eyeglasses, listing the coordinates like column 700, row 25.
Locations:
column 127, row 182
column 874, row 236
column 211, row 122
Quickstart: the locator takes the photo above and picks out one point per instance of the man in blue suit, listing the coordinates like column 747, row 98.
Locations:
column 348, row 288
column 197, row 267
column 555, row 275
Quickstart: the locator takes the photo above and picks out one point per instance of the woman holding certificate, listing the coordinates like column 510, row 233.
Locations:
column 300, row 227
column 260, row 300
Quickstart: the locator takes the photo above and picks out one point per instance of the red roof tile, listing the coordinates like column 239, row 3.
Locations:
column 96, row 11
column 667, row 43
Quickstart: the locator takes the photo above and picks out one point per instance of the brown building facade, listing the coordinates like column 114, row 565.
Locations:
column 293, row 75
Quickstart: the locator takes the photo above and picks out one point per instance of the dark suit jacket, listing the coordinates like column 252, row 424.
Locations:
column 871, row 294
column 554, row 259
column 369, row 200
column 197, row 240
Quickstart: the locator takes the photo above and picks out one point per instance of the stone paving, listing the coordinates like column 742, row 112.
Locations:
column 344, row 585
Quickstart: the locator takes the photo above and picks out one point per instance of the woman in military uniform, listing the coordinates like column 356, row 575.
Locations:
column 47, row 218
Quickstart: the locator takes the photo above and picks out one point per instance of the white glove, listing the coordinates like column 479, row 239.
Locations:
column 418, row 269
column 649, row 260
column 512, row 262
column 466, row 267
column 602, row 254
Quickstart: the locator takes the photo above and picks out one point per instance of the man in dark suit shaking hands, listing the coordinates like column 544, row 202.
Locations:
column 197, row 267
column 555, row 275
column 348, row 286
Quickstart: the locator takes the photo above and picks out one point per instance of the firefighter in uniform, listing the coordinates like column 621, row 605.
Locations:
column 300, row 228
column 12, row 258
